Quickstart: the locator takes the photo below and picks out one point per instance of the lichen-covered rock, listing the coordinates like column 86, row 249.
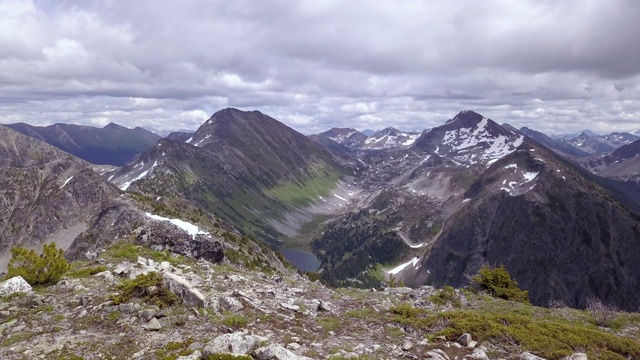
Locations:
column 14, row 285
column 180, row 286
column 238, row 343
column 230, row 303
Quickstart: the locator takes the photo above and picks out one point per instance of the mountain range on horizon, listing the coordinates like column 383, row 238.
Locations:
column 456, row 196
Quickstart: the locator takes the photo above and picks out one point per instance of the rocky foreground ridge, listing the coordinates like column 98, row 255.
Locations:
column 280, row 314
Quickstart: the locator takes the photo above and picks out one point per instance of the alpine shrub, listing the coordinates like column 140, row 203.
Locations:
column 497, row 282
column 46, row 268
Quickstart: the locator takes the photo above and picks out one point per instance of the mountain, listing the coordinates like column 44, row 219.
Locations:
column 618, row 139
column 389, row 138
column 563, row 233
column 471, row 192
column 369, row 132
column 47, row 194
column 110, row 145
column 51, row 196
column 245, row 167
column 406, row 197
column 599, row 144
column 559, row 145
column 623, row 163
column 469, row 139
column 180, row 135
column 350, row 138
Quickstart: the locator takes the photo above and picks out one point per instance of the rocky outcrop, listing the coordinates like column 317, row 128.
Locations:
column 238, row 343
column 159, row 235
column 120, row 220
column 14, row 285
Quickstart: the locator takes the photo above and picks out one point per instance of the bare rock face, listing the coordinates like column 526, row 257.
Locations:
column 14, row 285
column 164, row 236
column 120, row 220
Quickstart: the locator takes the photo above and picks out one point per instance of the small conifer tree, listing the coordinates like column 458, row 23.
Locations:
column 46, row 268
column 497, row 282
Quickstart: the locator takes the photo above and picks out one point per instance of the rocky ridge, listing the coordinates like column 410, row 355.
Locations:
column 225, row 308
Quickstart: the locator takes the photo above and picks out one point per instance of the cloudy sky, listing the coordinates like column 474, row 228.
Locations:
column 555, row 66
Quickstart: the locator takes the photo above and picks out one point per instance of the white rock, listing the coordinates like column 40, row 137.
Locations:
column 577, row 356
column 290, row 306
column 230, row 303
column 238, row 343
column 478, row 354
column 276, row 352
column 15, row 285
column 529, row 356
column 152, row 325
column 406, row 345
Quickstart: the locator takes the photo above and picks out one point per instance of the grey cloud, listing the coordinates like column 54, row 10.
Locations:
column 553, row 66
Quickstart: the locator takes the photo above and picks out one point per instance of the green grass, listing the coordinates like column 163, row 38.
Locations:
column 16, row 338
column 546, row 333
column 79, row 272
column 446, row 295
column 139, row 288
column 299, row 195
column 329, row 323
column 235, row 321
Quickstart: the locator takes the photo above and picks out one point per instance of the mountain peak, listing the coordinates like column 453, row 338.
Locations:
column 467, row 118
column 114, row 126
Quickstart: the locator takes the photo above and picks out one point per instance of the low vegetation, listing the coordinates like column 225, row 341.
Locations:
column 44, row 269
column 148, row 287
column 497, row 282
column 551, row 334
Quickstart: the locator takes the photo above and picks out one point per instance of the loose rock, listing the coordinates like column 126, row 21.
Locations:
column 15, row 285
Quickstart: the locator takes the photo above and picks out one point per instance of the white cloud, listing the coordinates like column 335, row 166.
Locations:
column 552, row 66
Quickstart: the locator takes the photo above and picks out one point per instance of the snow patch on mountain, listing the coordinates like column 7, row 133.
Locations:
column 401, row 267
column 190, row 228
column 66, row 182
column 129, row 178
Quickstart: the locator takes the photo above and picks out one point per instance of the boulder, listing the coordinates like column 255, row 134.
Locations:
column 152, row 325
column 276, row 352
column 465, row 339
column 406, row 345
column 181, row 287
column 478, row 354
column 238, row 343
column 230, row 303
column 324, row 306
column 15, row 285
